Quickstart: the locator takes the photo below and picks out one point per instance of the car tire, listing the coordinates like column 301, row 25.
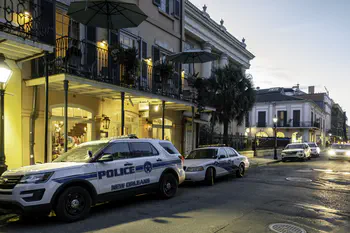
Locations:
column 284, row 160
column 168, row 186
column 240, row 171
column 73, row 204
column 210, row 176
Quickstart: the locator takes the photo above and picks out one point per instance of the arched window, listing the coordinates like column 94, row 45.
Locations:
column 280, row 135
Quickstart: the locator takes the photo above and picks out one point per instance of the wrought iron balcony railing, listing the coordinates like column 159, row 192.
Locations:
column 91, row 61
column 29, row 19
column 291, row 124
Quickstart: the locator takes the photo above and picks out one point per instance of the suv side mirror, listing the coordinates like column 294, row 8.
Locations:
column 105, row 158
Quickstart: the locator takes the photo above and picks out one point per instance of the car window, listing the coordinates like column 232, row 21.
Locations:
column 234, row 152
column 230, row 152
column 170, row 148
column 295, row 146
column 118, row 150
column 203, row 154
column 341, row 146
column 222, row 152
column 143, row 149
column 312, row 144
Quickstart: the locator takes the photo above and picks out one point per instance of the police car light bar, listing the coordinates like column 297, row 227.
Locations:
column 213, row 145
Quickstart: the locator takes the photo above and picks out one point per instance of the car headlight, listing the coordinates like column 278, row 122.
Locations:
column 331, row 152
column 318, row 150
column 36, row 178
column 348, row 153
column 194, row 169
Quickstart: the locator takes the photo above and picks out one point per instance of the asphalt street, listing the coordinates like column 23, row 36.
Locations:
column 313, row 195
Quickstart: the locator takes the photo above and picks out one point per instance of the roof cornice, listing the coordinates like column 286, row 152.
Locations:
column 193, row 11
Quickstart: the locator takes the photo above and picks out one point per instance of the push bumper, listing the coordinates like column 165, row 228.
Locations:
column 25, row 198
column 17, row 208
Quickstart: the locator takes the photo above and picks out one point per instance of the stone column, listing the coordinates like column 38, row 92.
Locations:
column 206, row 67
column 223, row 60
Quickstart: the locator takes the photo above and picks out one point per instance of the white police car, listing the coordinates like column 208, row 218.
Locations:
column 300, row 151
column 207, row 163
column 339, row 151
column 91, row 173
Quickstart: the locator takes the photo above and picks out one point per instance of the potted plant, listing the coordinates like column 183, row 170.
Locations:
column 128, row 58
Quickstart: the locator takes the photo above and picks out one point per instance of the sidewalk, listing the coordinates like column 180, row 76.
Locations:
column 263, row 160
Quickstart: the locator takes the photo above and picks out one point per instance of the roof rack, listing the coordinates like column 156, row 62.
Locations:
column 212, row 145
column 130, row 136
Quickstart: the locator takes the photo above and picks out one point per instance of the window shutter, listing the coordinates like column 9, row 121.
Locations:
column 91, row 33
column 144, row 49
column 156, row 54
column 48, row 8
column 114, row 38
column 157, row 2
column 177, row 8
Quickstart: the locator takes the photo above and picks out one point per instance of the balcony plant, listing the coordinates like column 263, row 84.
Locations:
column 163, row 72
column 131, row 64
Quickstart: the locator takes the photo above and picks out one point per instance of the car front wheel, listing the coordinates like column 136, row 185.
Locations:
column 240, row 171
column 73, row 204
column 210, row 177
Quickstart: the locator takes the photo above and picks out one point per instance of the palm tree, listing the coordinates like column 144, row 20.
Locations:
column 232, row 93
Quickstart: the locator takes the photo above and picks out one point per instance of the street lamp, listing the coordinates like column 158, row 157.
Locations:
column 275, row 129
column 5, row 75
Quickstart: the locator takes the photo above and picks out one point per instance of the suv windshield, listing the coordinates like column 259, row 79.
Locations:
column 341, row 147
column 295, row 146
column 203, row 154
column 81, row 152
column 312, row 144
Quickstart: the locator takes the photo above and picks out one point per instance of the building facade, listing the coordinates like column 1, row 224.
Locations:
column 338, row 126
column 203, row 33
column 298, row 119
column 89, row 95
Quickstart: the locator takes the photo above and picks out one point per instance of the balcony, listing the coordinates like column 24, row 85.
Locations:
column 93, row 61
column 26, row 28
column 291, row 124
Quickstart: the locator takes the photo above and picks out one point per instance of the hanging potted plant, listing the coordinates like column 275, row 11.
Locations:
column 128, row 58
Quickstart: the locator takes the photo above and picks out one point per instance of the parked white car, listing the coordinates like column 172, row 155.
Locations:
column 300, row 151
column 205, row 164
column 90, row 173
column 339, row 151
column 315, row 149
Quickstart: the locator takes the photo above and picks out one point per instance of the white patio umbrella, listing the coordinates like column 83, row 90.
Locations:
column 109, row 14
column 192, row 57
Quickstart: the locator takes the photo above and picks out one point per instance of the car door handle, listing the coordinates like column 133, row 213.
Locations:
column 159, row 160
column 128, row 164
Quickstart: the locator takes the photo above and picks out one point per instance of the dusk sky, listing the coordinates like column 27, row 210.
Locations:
column 299, row 41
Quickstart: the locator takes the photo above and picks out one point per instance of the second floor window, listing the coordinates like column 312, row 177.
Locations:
column 127, row 41
column 261, row 119
column 171, row 7
column 66, row 26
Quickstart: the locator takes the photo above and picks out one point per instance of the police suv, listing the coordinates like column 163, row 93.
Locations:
column 207, row 163
column 93, row 172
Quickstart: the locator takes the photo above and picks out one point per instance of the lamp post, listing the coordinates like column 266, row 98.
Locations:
column 5, row 75
column 275, row 131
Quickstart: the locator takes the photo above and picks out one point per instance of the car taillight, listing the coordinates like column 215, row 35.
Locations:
column 182, row 159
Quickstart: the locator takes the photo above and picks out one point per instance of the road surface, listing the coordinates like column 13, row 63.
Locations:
column 313, row 195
